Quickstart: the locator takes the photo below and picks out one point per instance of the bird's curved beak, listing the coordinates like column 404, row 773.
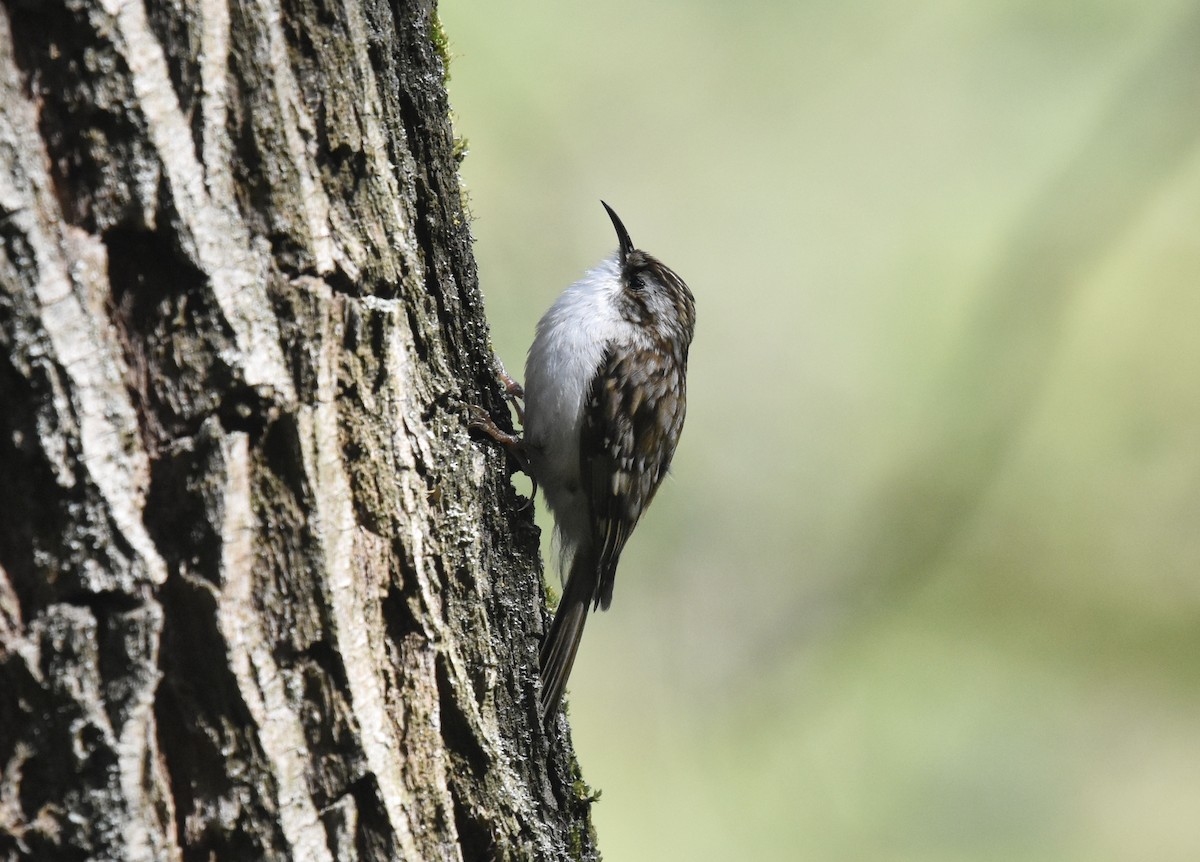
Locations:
column 622, row 234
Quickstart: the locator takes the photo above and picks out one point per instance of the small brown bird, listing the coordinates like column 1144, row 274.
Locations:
column 605, row 396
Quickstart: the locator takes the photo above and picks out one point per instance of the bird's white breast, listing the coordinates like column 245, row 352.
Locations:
column 570, row 342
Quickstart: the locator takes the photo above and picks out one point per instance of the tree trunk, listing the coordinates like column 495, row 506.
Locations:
column 261, row 596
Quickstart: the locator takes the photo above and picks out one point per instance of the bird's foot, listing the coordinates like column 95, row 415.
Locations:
column 480, row 420
column 513, row 390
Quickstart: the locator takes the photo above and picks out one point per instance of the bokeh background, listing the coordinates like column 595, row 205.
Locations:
column 925, row 583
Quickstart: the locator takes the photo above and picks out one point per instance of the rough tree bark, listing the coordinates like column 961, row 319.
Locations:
column 261, row 596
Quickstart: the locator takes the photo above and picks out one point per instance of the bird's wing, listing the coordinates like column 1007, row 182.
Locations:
column 631, row 422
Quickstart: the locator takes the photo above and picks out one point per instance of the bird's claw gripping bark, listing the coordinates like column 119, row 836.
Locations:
column 513, row 390
column 480, row 420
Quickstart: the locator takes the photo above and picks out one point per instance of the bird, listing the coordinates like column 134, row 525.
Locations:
column 604, row 401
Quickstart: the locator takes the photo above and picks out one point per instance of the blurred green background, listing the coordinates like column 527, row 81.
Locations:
column 925, row 584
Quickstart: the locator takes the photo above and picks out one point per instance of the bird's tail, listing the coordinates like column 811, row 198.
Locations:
column 562, row 641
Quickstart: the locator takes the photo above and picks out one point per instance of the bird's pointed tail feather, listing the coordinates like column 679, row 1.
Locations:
column 562, row 641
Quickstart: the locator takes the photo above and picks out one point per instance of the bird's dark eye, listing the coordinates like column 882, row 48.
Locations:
column 636, row 282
